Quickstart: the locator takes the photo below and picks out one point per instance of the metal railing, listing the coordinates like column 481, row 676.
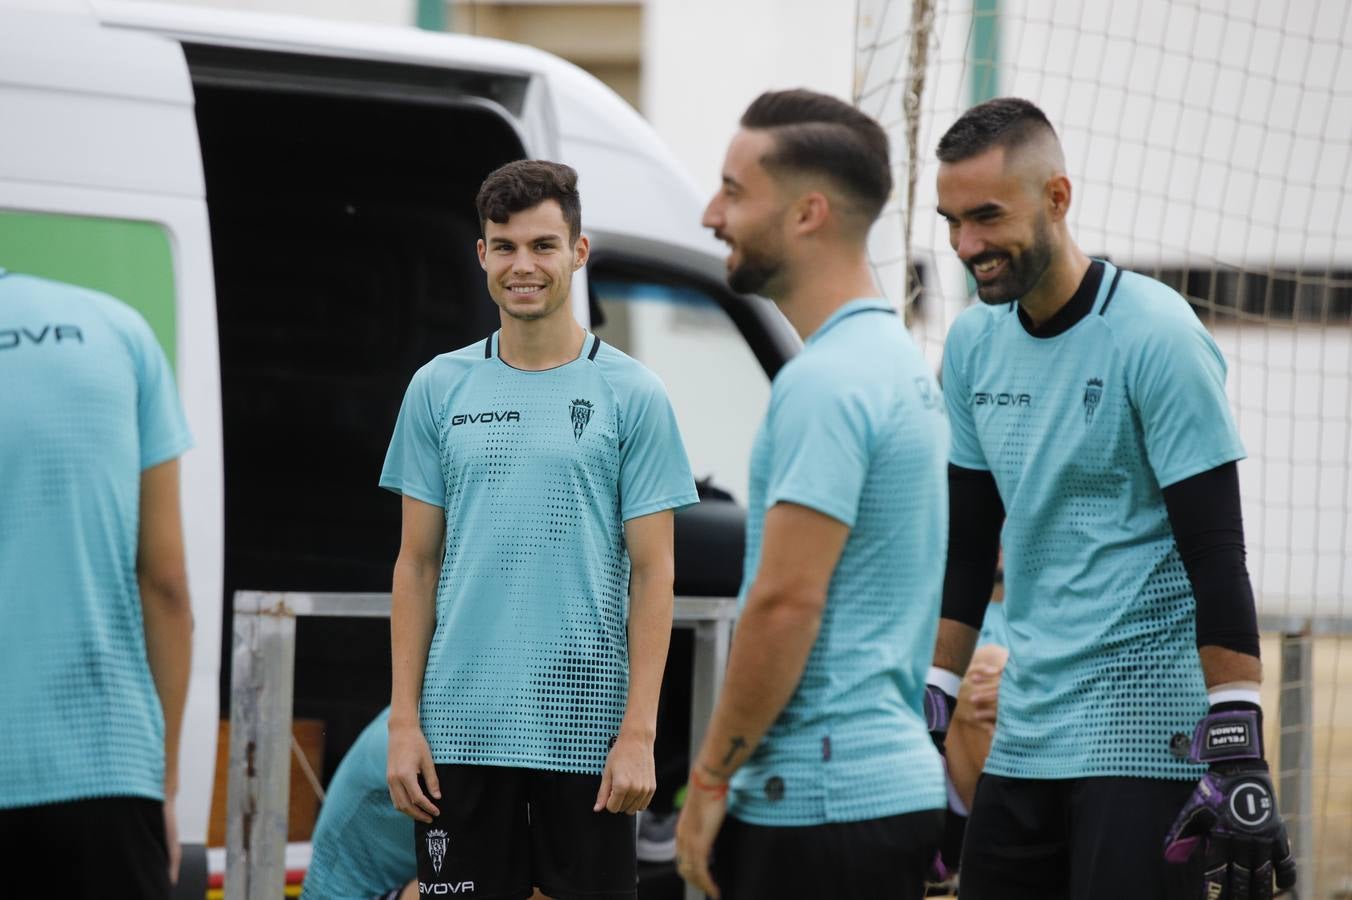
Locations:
column 262, row 683
column 262, row 680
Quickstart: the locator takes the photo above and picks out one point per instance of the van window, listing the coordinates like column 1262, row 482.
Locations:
column 129, row 260
column 716, row 384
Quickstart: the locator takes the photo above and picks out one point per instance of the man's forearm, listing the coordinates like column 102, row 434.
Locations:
column 954, row 645
column 650, row 614
column 1221, row 666
column 167, row 613
column 413, row 616
column 770, row 649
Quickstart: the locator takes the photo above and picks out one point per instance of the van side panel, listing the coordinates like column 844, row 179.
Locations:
column 104, row 108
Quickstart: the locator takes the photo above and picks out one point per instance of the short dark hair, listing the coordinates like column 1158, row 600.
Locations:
column 1002, row 122
column 525, row 184
column 820, row 134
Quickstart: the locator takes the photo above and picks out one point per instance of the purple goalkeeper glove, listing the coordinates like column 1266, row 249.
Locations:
column 1232, row 818
column 938, row 714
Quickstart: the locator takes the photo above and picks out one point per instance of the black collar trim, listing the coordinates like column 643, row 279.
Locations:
column 1112, row 289
column 1080, row 304
column 591, row 354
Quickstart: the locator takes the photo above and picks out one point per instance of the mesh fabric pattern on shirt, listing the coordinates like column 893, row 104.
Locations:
column 855, row 430
column 1079, row 431
column 85, row 410
column 537, row 473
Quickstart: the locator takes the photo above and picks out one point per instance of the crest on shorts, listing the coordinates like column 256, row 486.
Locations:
column 581, row 411
column 436, row 848
column 1093, row 393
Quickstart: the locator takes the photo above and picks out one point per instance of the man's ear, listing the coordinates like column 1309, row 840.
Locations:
column 483, row 254
column 1057, row 194
column 810, row 212
column 581, row 252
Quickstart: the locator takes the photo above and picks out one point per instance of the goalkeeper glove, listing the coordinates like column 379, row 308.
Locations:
column 1231, row 819
column 939, row 707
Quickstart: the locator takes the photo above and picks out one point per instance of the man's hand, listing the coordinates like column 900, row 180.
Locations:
column 171, row 837
column 630, row 777
column 1232, row 817
column 973, row 727
column 706, row 804
column 978, row 698
column 409, row 757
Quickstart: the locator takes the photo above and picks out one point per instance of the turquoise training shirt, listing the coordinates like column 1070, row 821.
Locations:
column 537, row 473
column 362, row 846
column 1081, row 430
column 855, row 430
column 87, row 402
column 993, row 627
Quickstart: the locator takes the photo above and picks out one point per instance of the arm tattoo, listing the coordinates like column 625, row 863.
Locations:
column 734, row 747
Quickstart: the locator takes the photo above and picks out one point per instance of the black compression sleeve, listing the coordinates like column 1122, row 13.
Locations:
column 975, row 514
column 1209, row 529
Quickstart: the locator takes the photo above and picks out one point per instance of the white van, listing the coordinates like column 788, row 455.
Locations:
column 290, row 205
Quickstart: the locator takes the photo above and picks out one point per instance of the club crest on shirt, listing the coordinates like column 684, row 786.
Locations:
column 436, row 848
column 1093, row 393
column 581, row 411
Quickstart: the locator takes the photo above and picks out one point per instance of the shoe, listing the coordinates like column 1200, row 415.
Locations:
column 656, row 836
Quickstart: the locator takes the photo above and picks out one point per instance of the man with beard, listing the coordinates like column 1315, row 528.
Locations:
column 1089, row 416
column 532, row 602
column 817, row 752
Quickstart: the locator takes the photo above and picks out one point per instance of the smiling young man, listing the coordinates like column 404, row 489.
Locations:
column 817, row 752
column 540, row 470
column 1089, row 417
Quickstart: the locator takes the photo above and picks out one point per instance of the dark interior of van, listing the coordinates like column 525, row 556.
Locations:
column 343, row 234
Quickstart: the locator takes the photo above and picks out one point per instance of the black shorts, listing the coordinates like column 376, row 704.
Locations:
column 503, row 831
column 100, row 847
column 1082, row 837
column 872, row 858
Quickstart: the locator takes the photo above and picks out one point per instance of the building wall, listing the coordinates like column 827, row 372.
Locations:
column 602, row 37
column 705, row 60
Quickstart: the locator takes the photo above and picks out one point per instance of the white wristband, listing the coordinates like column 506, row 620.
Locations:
column 944, row 680
column 1233, row 695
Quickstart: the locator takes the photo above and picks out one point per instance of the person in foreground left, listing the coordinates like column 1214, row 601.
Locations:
column 95, row 617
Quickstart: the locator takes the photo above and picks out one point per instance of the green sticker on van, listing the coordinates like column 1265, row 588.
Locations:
column 130, row 260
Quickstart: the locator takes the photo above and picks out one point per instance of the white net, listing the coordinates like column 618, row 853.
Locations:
column 1210, row 145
